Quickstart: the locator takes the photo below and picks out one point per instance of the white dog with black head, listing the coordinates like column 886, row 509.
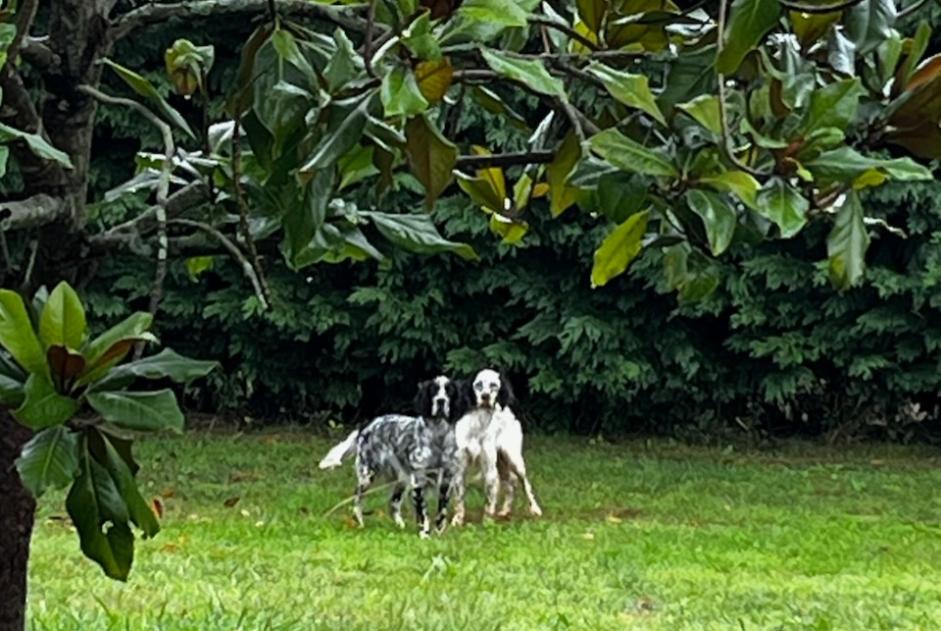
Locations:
column 491, row 435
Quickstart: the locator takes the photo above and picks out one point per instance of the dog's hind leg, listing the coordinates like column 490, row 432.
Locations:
column 444, row 491
column 363, row 479
column 507, row 482
column 518, row 468
column 395, row 504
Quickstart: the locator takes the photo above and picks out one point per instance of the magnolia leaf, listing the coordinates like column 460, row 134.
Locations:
column 431, row 157
column 632, row 90
column 618, row 249
column 530, row 72
column 629, row 155
column 869, row 23
column 507, row 13
column 37, row 144
column 434, row 78
column 17, row 335
column 846, row 163
column 748, row 23
column 847, row 244
column 140, row 411
column 417, row 233
column 42, row 406
column 401, row 95
column 783, row 205
column 62, row 322
column 49, row 460
column 167, row 364
column 833, row 105
column 742, row 185
column 717, row 216
column 144, row 88
column 93, row 502
column 337, row 142
column 705, row 110
column 561, row 194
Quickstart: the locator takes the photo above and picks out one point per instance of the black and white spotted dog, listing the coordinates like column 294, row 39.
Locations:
column 415, row 451
column 489, row 433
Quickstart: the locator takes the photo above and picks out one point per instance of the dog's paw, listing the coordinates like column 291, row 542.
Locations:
column 423, row 534
column 457, row 521
column 535, row 511
column 504, row 513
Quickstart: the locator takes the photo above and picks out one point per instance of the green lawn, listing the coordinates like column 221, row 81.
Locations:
column 635, row 536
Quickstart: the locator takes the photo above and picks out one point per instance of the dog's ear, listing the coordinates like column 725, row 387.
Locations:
column 459, row 395
column 423, row 399
column 505, row 397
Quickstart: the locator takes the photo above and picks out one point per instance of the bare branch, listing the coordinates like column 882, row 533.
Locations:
column 163, row 186
column 564, row 28
column 367, row 39
column 243, row 210
column 24, row 21
column 33, row 212
column 818, row 8
column 188, row 197
column 232, row 249
column 153, row 13
column 504, row 159
column 37, row 54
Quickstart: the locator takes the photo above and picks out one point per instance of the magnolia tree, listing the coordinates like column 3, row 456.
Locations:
column 685, row 126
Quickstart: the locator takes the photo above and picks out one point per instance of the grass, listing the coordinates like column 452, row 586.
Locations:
column 635, row 536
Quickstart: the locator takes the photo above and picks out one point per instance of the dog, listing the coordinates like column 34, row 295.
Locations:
column 490, row 433
column 415, row 451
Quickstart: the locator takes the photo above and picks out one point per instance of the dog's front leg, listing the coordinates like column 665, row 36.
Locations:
column 444, row 496
column 421, row 512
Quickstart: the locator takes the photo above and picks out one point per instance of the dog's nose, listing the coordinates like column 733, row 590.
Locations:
column 440, row 401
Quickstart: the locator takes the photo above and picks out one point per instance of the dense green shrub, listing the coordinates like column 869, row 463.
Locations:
column 773, row 348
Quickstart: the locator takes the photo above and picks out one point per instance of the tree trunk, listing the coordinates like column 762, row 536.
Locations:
column 17, row 508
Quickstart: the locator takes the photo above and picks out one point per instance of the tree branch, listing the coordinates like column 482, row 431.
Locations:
column 818, row 8
column 564, row 28
column 24, row 21
column 232, row 249
column 163, row 186
column 504, row 159
column 32, row 212
column 190, row 196
column 243, row 210
column 158, row 13
column 37, row 54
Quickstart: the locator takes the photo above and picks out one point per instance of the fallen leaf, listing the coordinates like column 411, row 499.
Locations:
column 232, row 501
column 157, row 506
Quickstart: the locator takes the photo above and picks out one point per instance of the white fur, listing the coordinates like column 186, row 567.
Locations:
column 337, row 453
column 487, row 431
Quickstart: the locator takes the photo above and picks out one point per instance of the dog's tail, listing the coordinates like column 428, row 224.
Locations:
column 337, row 453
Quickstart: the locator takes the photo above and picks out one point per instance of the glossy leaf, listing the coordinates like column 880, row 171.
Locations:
column 49, row 460
column 167, row 364
column 618, row 249
column 63, row 318
column 94, row 501
column 561, row 194
column 401, row 95
column 337, row 142
column 37, row 144
column 705, row 111
column 847, row 244
column 434, row 78
column 869, row 23
column 783, row 205
column 717, row 217
column 113, row 345
column 144, row 88
column 64, row 364
column 632, row 90
column 846, row 163
column 431, row 157
column 592, row 12
column 833, row 105
column 742, row 185
column 530, row 72
column 417, row 233
column 629, row 155
column 17, row 335
column 502, row 12
column 42, row 406
column 138, row 509
column 749, row 21
column 140, row 411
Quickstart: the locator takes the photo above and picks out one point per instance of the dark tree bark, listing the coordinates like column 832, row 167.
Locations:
column 16, row 526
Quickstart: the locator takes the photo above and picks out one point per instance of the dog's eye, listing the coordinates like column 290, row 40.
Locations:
column 478, row 386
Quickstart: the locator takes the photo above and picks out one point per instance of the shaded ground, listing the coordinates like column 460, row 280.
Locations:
column 635, row 536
